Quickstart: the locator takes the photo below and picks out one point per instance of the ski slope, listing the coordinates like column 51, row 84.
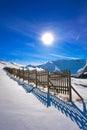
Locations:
column 21, row 110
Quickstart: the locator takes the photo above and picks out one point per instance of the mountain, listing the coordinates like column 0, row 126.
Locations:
column 82, row 73
column 50, row 66
column 30, row 66
column 72, row 65
column 77, row 67
column 15, row 65
column 9, row 64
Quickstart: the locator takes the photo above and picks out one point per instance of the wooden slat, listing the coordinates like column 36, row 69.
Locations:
column 58, row 82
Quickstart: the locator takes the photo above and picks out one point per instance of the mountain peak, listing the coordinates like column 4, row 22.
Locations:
column 72, row 65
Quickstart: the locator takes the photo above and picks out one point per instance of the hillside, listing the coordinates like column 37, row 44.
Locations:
column 21, row 110
column 24, row 107
column 9, row 64
column 72, row 65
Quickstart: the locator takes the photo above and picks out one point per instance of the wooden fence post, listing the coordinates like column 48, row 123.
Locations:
column 19, row 73
column 36, row 78
column 28, row 76
column 48, row 83
column 48, row 92
column 23, row 74
column 70, row 90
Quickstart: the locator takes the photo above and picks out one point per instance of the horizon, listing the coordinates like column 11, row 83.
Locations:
column 23, row 23
column 36, row 64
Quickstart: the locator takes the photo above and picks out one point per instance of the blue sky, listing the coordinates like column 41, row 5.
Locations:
column 22, row 23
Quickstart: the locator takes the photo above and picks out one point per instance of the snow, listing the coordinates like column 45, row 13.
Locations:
column 38, row 69
column 30, row 67
column 9, row 64
column 72, row 65
column 81, row 70
column 81, row 86
column 56, row 68
column 27, row 110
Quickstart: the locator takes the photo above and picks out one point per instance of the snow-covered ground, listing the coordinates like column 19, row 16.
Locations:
column 81, row 86
column 27, row 110
column 9, row 64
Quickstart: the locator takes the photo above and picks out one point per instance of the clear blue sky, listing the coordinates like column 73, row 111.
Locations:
column 22, row 22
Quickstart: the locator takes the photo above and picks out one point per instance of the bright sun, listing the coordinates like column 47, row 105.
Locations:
column 47, row 38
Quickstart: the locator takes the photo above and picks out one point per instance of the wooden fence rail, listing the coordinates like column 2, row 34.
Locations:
column 56, row 82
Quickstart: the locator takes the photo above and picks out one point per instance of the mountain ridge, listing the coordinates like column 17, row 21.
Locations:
column 77, row 67
column 59, row 65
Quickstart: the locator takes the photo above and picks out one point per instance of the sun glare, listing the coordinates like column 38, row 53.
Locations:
column 47, row 38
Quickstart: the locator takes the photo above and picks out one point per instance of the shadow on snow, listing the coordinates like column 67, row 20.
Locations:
column 67, row 108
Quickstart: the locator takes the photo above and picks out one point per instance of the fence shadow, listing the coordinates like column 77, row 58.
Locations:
column 69, row 109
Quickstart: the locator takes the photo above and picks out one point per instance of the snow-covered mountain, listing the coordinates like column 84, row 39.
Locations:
column 15, row 65
column 72, row 65
column 82, row 72
column 9, row 64
column 77, row 67
column 50, row 66
column 32, row 67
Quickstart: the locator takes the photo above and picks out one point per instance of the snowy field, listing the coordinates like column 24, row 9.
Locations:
column 23, row 107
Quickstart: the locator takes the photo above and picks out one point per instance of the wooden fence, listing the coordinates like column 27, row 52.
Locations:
column 56, row 82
